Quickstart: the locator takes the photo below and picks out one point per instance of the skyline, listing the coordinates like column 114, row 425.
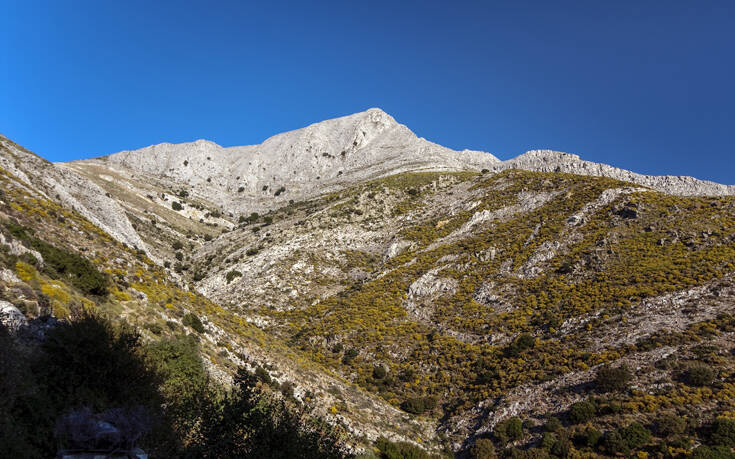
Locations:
column 634, row 86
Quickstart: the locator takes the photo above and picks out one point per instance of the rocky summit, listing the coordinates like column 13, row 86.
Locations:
column 415, row 298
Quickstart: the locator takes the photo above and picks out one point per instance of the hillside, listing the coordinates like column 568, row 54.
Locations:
column 431, row 296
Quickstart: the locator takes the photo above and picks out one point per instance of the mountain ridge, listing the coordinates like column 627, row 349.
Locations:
column 341, row 151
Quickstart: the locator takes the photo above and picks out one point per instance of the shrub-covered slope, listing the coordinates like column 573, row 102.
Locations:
column 471, row 298
column 541, row 312
column 55, row 265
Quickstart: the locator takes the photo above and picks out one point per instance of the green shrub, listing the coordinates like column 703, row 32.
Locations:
column 379, row 372
column 591, row 437
column 509, row 430
column 61, row 264
column 698, row 375
column 78, row 270
column 582, row 412
column 251, row 252
column 521, row 343
column 154, row 328
column 247, row 422
column 670, row 425
column 400, row 450
column 548, row 440
column 716, row 452
column 612, row 379
column 414, row 405
column 635, row 435
column 553, row 425
column 614, row 444
column 349, row 356
column 192, row 321
column 561, row 447
column 176, row 205
column 483, row 449
column 262, row 375
column 230, row 276
column 723, row 432
column 287, row 389
column 177, row 245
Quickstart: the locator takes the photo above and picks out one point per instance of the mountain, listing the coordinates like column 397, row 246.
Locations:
column 431, row 296
column 306, row 162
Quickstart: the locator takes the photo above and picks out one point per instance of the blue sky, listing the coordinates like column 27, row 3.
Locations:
column 644, row 85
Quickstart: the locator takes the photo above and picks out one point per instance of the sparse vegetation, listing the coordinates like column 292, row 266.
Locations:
column 231, row 275
column 191, row 320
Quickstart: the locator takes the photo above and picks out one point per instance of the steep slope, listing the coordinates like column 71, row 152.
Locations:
column 471, row 298
column 53, row 182
column 56, row 262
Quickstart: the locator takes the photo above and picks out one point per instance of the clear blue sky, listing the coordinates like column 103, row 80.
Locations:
column 645, row 85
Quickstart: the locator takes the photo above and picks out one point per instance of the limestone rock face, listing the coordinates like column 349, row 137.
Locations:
column 55, row 182
column 11, row 317
column 301, row 163
column 554, row 161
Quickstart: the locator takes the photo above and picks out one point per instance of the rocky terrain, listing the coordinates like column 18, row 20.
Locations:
column 415, row 292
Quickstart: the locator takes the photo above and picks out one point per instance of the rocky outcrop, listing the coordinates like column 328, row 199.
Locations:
column 554, row 161
column 11, row 317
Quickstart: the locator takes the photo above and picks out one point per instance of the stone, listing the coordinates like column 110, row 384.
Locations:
column 11, row 317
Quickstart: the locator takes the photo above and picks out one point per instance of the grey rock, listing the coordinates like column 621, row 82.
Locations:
column 554, row 161
column 11, row 317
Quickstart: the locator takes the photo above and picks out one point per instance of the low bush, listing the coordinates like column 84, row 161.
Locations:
column 399, row 450
column 192, row 321
column 231, row 275
column 509, row 430
column 723, row 432
column 698, row 375
column 635, row 435
column 483, row 449
column 670, row 425
column 582, row 412
column 613, row 379
column 521, row 343
column 418, row 405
